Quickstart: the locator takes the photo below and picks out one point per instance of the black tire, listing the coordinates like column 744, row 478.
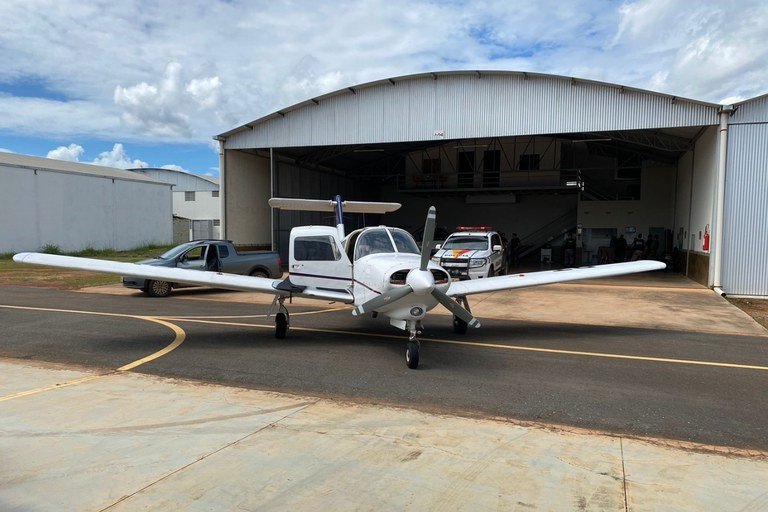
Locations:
column 491, row 272
column 281, row 326
column 459, row 325
column 412, row 355
column 158, row 288
column 257, row 272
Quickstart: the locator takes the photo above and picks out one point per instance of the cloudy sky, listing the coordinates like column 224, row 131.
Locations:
column 149, row 83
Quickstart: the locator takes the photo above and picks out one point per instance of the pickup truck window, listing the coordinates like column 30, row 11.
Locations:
column 176, row 251
column 198, row 253
column 223, row 251
column 315, row 248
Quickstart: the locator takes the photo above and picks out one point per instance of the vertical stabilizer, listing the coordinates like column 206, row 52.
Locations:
column 339, row 217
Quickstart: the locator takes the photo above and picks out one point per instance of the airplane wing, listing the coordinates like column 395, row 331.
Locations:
column 180, row 275
column 524, row 280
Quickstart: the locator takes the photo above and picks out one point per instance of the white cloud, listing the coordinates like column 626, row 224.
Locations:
column 138, row 71
column 71, row 153
column 174, row 167
column 155, row 110
column 118, row 158
column 205, row 91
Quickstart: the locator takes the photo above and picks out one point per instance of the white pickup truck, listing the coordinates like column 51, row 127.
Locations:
column 472, row 253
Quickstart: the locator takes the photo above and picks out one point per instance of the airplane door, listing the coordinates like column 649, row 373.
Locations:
column 317, row 260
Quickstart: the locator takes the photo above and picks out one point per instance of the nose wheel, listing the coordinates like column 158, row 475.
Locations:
column 412, row 355
column 412, row 349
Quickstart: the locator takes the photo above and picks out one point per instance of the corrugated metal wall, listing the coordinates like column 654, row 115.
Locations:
column 468, row 106
column 745, row 235
column 752, row 111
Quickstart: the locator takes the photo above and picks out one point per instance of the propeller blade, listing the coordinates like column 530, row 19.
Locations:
column 455, row 308
column 429, row 238
column 382, row 300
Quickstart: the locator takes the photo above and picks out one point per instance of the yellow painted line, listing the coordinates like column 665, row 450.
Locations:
column 54, row 386
column 504, row 347
column 179, row 337
column 177, row 340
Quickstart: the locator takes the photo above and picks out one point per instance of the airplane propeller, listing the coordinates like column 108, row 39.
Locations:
column 420, row 282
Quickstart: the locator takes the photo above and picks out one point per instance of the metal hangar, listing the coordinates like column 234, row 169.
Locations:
column 538, row 155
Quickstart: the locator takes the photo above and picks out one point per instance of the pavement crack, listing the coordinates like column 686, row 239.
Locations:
column 300, row 408
column 623, row 474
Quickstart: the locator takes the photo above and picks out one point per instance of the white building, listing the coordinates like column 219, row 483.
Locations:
column 525, row 152
column 76, row 206
column 194, row 197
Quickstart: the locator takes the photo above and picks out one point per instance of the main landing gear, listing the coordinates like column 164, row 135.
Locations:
column 459, row 325
column 282, row 319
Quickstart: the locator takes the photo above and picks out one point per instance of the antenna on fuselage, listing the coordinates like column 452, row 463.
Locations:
column 334, row 205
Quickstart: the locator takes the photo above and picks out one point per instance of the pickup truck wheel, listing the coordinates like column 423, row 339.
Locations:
column 491, row 272
column 158, row 288
column 258, row 273
column 281, row 326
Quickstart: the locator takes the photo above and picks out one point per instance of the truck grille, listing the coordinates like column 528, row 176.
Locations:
column 455, row 262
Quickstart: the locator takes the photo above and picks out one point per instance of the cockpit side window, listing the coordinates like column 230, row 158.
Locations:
column 373, row 241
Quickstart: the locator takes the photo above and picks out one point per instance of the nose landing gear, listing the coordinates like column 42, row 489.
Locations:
column 412, row 349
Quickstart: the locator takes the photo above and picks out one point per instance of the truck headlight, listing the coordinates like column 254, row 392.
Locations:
column 477, row 262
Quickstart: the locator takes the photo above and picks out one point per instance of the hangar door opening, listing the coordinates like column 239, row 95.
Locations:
column 597, row 186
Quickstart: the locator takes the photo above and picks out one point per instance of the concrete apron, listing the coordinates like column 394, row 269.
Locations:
column 127, row 441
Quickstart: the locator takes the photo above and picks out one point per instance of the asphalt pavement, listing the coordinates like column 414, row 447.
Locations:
column 709, row 388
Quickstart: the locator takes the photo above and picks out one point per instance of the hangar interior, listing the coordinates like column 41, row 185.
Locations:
column 596, row 159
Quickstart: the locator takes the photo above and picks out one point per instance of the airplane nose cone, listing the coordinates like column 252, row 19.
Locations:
column 421, row 281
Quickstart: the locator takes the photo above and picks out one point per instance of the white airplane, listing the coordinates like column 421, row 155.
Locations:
column 379, row 270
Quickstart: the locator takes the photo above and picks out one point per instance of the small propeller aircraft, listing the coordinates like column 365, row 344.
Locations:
column 378, row 270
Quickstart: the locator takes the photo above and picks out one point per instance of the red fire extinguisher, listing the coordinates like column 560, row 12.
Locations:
column 705, row 244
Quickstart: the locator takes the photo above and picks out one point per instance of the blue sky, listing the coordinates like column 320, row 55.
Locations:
column 137, row 83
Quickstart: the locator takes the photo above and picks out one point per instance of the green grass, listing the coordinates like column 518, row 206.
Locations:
column 34, row 275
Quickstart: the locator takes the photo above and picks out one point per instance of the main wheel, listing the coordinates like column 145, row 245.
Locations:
column 459, row 325
column 158, row 288
column 281, row 325
column 412, row 355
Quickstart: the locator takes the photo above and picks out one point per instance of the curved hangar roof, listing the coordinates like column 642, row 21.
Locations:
column 467, row 104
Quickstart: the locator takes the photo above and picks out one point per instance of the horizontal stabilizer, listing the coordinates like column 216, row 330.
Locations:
column 329, row 205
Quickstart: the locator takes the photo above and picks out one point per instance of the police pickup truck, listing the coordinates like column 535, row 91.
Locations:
column 472, row 252
column 211, row 255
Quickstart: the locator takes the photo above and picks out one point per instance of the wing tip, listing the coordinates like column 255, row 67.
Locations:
column 20, row 257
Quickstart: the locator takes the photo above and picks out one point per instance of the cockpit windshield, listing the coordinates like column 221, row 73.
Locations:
column 404, row 241
column 376, row 241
